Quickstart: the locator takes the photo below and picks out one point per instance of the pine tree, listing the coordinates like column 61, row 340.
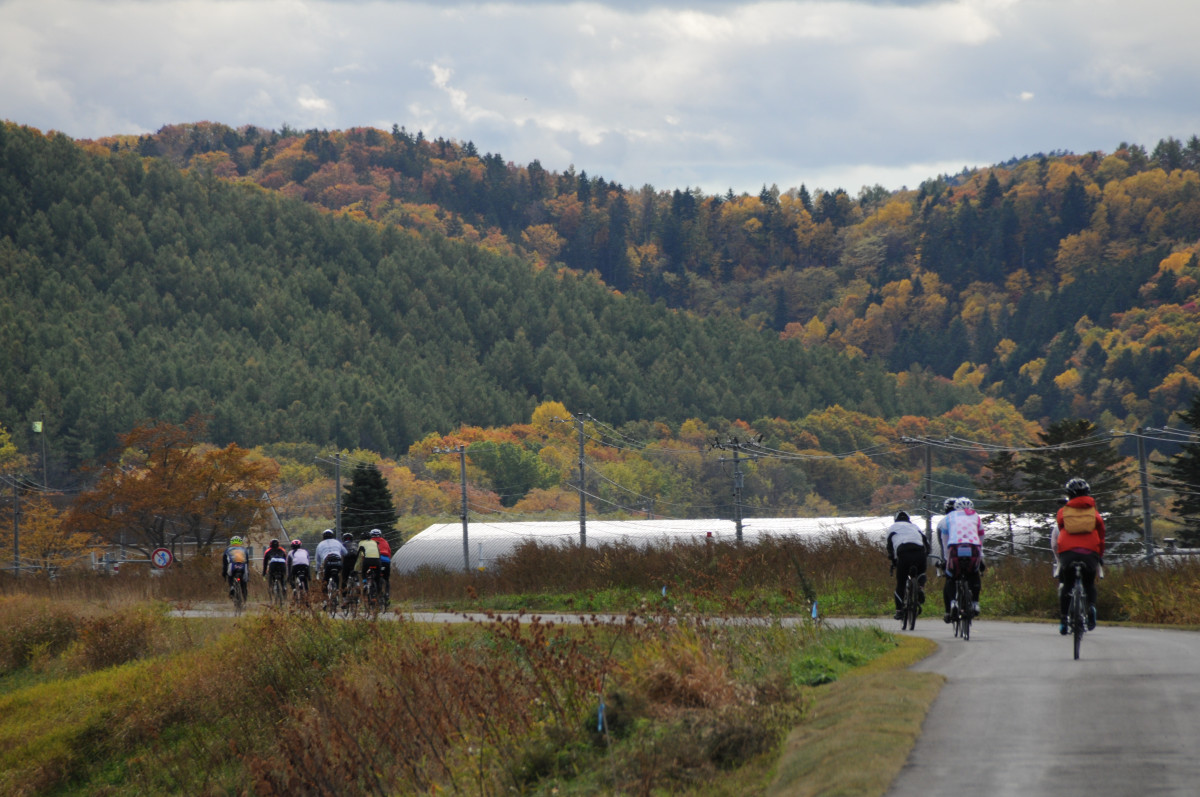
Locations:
column 368, row 505
column 1073, row 448
column 1004, row 489
column 1183, row 470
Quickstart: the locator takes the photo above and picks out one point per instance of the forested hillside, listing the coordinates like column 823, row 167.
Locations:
column 1064, row 283
column 365, row 288
column 133, row 290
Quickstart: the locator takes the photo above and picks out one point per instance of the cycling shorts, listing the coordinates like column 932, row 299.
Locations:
column 277, row 568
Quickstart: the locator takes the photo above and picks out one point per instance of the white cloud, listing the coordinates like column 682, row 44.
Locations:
column 834, row 93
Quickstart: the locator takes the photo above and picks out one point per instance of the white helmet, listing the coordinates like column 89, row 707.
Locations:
column 964, row 503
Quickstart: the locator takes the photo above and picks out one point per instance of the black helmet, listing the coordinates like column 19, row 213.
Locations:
column 948, row 505
column 1077, row 487
column 327, row 534
column 901, row 516
column 274, row 543
column 347, row 537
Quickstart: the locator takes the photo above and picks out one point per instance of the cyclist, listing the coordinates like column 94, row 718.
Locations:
column 961, row 534
column 368, row 556
column 907, row 548
column 233, row 563
column 351, row 559
column 1078, row 536
column 385, row 560
column 297, row 564
column 275, row 560
column 329, row 556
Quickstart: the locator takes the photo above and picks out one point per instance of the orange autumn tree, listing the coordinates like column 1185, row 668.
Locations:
column 45, row 545
column 167, row 488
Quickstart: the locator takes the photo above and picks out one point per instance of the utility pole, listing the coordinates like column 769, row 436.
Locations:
column 738, row 481
column 337, row 494
column 577, row 419
column 461, row 450
column 1147, row 537
column 928, row 492
column 16, row 529
column 582, row 486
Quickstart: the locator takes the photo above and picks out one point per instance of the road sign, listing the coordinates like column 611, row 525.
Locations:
column 161, row 557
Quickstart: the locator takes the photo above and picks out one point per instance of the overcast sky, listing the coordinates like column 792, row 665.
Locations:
column 714, row 95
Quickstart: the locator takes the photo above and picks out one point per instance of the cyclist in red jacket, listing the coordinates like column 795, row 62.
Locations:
column 385, row 560
column 1078, row 537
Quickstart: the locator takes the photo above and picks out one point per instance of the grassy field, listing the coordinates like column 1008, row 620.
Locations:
column 104, row 691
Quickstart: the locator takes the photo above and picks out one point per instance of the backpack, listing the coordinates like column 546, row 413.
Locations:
column 1078, row 519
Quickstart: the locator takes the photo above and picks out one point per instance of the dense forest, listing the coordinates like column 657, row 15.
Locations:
column 1065, row 283
column 364, row 289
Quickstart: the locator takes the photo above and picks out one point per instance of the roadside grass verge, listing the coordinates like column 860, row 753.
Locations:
column 860, row 729
column 298, row 704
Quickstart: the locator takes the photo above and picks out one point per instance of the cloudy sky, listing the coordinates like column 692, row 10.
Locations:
column 709, row 94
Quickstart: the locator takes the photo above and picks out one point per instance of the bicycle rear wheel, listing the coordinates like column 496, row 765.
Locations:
column 1077, row 616
column 910, row 604
column 239, row 603
column 964, row 608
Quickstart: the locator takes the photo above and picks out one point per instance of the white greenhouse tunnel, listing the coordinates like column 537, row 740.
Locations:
column 441, row 546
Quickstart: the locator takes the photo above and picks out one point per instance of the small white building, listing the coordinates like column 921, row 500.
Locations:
column 441, row 546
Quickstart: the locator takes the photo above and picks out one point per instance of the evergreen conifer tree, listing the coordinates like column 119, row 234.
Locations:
column 368, row 505
column 1073, row 448
column 1183, row 470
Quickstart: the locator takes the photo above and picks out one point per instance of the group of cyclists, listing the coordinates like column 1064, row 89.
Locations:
column 346, row 562
column 1078, row 536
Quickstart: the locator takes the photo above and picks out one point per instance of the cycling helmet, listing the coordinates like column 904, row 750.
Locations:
column 1077, row 487
column 347, row 537
column 964, row 503
column 235, row 540
column 327, row 534
column 274, row 543
column 376, row 533
column 901, row 516
column 948, row 506
column 296, row 543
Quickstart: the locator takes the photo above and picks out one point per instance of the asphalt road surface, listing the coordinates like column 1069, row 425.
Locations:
column 1019, row 716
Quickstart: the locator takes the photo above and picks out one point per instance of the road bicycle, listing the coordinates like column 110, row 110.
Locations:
column 237, row 593
column 961, row 610
column 277, row 591
column 911, row 606
column 1077, row 610
column 300, row 589
column 333, row 594
column 372, row 594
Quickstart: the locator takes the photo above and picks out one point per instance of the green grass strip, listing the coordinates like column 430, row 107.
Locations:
column 860, row 729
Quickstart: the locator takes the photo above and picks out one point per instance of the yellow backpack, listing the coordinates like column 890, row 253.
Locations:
column 1078, row 519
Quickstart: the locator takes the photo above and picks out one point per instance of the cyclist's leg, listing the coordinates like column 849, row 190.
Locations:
column 948, row 592
column 1066, row 578
column 1090, row 563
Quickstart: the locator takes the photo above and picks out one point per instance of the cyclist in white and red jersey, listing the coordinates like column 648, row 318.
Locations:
column 961, row 536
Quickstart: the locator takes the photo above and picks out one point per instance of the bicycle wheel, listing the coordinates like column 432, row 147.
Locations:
column 278, row 593
column 1077, row 615
column 910, row 604
column 964, row 608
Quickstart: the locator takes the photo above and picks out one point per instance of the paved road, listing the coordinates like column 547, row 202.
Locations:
column 1018, row 716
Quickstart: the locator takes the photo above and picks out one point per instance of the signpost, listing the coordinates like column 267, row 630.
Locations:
column 161, row 558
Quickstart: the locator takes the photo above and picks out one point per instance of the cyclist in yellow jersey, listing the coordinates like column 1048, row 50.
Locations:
column 236, row 561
